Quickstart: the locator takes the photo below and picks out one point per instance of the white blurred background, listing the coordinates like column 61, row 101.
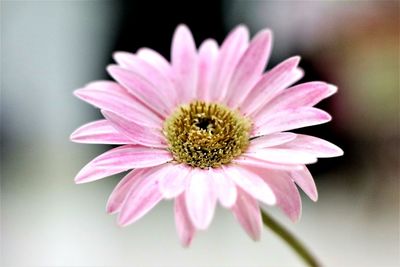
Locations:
column 50, row 48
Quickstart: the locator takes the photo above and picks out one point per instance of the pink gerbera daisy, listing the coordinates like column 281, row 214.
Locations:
column 208, row 127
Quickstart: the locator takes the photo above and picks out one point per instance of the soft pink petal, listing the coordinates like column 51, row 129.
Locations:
column 248, row 160
column 251, row 183
column 230, row 53
column 143, row 197
column 138, row 134
column 156, row 60
column 270, row 84
column 122, row 189
column 164, row 85
column 287, row 195
column 302, row 95
column 247, row 212
column 121, row 159
column 290, row 119
column 270, row 140
column 207, row 55
column 141, row 88
column 175, row 181
column 332, row 90
column 295, row 76
column 91, row 173
column 99, row 132
column 184, row 63
column 225, row 187
column 305, row 181
column 132, row 156
column 282, row 156
column 184, row 226
column 249, row 68
column 108, row 86
column 121, row 104
column 200, row 198
column 316, row 146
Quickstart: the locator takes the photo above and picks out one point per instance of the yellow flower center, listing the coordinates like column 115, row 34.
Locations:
column 206, row 134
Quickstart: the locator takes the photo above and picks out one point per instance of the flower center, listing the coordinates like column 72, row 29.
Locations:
column 206, row 134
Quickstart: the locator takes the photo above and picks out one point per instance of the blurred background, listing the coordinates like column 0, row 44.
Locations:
column 50, row 48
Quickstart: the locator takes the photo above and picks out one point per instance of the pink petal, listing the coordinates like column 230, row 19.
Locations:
column 91, row 173
column 207, row 55
column 164, row 85
column 184, row 62
column 270, row 84
column 247, row 212
column 304, row 179
column 143, row 197
column 174, row 182
column 122, row 189
column 270, row 140
column 121, row 104
column 184, row 226
column 132, row 156
column 225, row 187
column 282, row 156
column 251, row 183
column 156, row 60
column 99, row 132
column 290, row 119
column 316, row 146
column 138, row 134
column 287, row 195
column 200, row 198
column 121, row 159
column 248, row 160
column 296, row 75
column 249, row 68
column 230, row 53
column 302, row 95
column 108, row 86
column 141, row 88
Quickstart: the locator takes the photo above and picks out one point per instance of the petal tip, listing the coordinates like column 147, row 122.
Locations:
column 266, row 33
column 111, row 207
column 182, row 27
column 79, row 93
column 80, row 177
column 242, row 28
column 295, row 218
column 73, row 137
column 185, row 243
column 80, row 180
column 256, row 238
column 314, row 197
column 122, row 221
column 201, row 225
column 299, row 72
column 295, row 59
column 112, row 69
column 110, row 210
column 118, row 56
column 184, row 30
column 323, row 115
column 332, row 89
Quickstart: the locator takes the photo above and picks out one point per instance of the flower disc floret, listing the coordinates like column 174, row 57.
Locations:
column 206, row 135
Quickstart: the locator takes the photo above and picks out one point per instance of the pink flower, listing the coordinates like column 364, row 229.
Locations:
column 208, row 127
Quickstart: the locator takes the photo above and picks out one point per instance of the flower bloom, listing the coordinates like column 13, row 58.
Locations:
column 208, row 127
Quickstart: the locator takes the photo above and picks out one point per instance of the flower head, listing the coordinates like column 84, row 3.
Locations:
column 208, row 127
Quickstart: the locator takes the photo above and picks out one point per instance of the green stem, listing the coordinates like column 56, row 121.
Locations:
column 292, row 241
